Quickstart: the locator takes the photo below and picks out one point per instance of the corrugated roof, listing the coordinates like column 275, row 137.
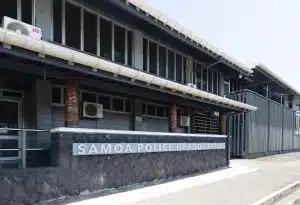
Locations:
column 142, row 5
column 277, row 77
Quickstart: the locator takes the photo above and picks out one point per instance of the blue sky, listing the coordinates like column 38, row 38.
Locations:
column 251, row 31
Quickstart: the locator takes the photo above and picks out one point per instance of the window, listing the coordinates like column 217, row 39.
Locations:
column 153, row 57
column 118, row 104
column 162, row 61
column 73, row 25
column 90, row 33
column 9, row 8
column 105, row 39
column 105, row 101
column 109, row 102
column 204, row 80
column 198, row 75
column 58, row 94
column 226, row 87
column 179, row 68
column 184, row 70
column 89, row 97
column 129, row 48
column 119, row 44
column 145, row 54
column 57, row 21
column 209, row 80
column 151, row 109
column 26, row 11
column 171, row 66
column 215, row 82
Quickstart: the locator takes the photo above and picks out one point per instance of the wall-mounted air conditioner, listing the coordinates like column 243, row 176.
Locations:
column 184, row 121
column 92, row 110
column 22, row 28
column 191, row 85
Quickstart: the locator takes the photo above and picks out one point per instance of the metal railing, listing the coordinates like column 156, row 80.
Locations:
column 10, row 137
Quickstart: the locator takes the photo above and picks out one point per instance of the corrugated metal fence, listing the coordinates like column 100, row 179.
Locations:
column 270, row 129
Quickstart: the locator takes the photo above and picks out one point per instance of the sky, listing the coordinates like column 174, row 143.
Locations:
column 251, row 31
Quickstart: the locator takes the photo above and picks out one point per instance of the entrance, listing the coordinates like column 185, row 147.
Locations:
column 10, row 140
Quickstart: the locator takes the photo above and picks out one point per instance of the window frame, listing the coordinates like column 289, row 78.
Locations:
column 62, row 96
column 111, row 97
column 156, row 105
column 99, row 16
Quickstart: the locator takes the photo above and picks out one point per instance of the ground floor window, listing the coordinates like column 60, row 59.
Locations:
column 154, row 110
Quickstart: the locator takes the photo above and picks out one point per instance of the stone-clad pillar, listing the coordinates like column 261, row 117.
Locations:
column 71, row 103
column 173, row 117
column 223, row 124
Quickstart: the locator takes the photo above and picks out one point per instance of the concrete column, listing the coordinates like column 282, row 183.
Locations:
column 173, row 117
column 71, row 103
column 138, row 50
column 43, row 18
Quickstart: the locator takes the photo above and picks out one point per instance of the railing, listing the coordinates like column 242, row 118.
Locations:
column 15, row 143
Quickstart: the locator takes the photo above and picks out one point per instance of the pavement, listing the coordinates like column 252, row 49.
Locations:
column 244, row 183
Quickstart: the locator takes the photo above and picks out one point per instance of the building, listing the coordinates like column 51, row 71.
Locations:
column 146, row 73
column 274, row 128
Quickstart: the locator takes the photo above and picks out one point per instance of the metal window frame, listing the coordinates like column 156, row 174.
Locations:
column 111, row 97
column 62, row 96
column 146, row 103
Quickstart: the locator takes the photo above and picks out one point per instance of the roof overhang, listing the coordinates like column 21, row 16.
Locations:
column 276, row 78
column 154, row 16
column 44, row 48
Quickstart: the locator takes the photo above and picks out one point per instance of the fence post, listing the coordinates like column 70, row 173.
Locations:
column 24, row 149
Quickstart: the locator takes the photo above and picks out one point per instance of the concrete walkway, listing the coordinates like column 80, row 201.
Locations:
column 244, row 183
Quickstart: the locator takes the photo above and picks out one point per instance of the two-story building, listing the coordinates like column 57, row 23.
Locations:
column 108, row 65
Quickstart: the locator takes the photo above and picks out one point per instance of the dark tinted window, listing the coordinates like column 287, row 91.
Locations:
column 105, row 101
column 145, row 54
column 204, row 80
column 27, row 11
column 57, row 20
column 73, row 26
column 56, row 95
column 161, row 111
column 171, row 58
column 105, row 39
column 89, row 97
column 118, row 104
column 179, row 68
column 215, row 82
column 9, row 8
column 129, row 48
column 184, row 70
column 162, row 61
column 128, row 106
column 153, row 57
column 90, row 33
column 144, row 109
column 151, row 110
column 209, row 80
column 119, row 44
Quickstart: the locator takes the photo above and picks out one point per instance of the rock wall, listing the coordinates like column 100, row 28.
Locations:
column 75, row 174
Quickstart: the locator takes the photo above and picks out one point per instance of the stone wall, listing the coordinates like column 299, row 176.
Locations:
column 71, row 175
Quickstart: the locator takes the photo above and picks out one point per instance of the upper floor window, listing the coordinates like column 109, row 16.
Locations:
column 21, row 10
column 84, row 29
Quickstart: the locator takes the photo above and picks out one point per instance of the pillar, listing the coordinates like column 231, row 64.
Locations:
column 173, row 117
column 71, row 103
column 137, row 119
column 223, row 124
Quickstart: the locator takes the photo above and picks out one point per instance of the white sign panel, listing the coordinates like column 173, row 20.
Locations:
column 125, row 148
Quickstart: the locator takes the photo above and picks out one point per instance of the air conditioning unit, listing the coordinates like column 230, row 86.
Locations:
column 22, row 28
column 92, row 110
column 184, row 121
column 191, row 85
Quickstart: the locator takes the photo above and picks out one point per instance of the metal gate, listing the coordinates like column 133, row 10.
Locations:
column 10, row 117
column 205, row 122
